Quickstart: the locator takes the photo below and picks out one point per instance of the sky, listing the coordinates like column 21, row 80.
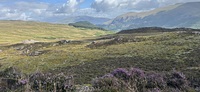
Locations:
column 39, row 10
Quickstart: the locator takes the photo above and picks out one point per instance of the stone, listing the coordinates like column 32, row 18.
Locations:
column 64, row 41
column 29, row 41
column 19, row 47
column 36, row 53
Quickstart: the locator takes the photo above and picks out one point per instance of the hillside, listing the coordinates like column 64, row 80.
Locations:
column 85, row 24
column 157, row 51
column 156, row 30
column 18, row 31
column 178, row 15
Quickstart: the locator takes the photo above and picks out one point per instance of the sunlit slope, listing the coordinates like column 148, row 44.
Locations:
column 18, row 31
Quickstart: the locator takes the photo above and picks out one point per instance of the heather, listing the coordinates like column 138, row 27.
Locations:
column 13, row 80
column 137, row 80
column 119, row 80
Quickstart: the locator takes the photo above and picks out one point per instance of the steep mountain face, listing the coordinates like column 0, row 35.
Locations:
column 179, row 15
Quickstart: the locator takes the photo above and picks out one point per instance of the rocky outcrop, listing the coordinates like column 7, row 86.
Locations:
column 29, row 41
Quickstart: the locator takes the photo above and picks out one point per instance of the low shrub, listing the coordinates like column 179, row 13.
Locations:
column 137, row 80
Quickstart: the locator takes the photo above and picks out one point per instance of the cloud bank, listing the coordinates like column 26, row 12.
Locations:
column 124, row 5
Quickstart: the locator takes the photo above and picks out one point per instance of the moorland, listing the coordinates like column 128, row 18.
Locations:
column 60, row 52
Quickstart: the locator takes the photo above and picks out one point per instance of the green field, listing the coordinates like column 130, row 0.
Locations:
column 18, row 31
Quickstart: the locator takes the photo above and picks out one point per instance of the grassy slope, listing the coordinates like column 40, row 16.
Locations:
column 18, row 31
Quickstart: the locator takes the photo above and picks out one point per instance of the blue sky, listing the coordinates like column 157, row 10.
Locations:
column 41, row 10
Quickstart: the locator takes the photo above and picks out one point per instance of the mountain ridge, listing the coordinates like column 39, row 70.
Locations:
column 178, row 15
column 73, row 19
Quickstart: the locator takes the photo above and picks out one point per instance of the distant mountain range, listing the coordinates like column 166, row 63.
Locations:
column 73, row 19
column 178, row 15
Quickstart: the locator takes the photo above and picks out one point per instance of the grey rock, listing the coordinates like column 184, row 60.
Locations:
column 36, row 53
column 64, row 41
column 19, row 47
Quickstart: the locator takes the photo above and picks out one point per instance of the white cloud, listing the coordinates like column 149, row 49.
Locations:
column 114, row 5
column 69, row 7
column 90, row 12
column 132, row 5
column 23, row 10
column 13, row 14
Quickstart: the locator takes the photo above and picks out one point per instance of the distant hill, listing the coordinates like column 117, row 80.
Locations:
column 72, row 19
column 155, row 29
column 178, row 15
column 19, row 31
column 85, row 24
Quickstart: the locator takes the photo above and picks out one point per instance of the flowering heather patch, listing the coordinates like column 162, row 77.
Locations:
column 50, row 82
column 137, row 80
column 23, row 81
column 107, row 83
column 137, row 72
column 11, row 73
column 155, row 80
column 154, row 90
column 177, row 80
column 179, row 75
column 119, row 80
column 121, row 73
